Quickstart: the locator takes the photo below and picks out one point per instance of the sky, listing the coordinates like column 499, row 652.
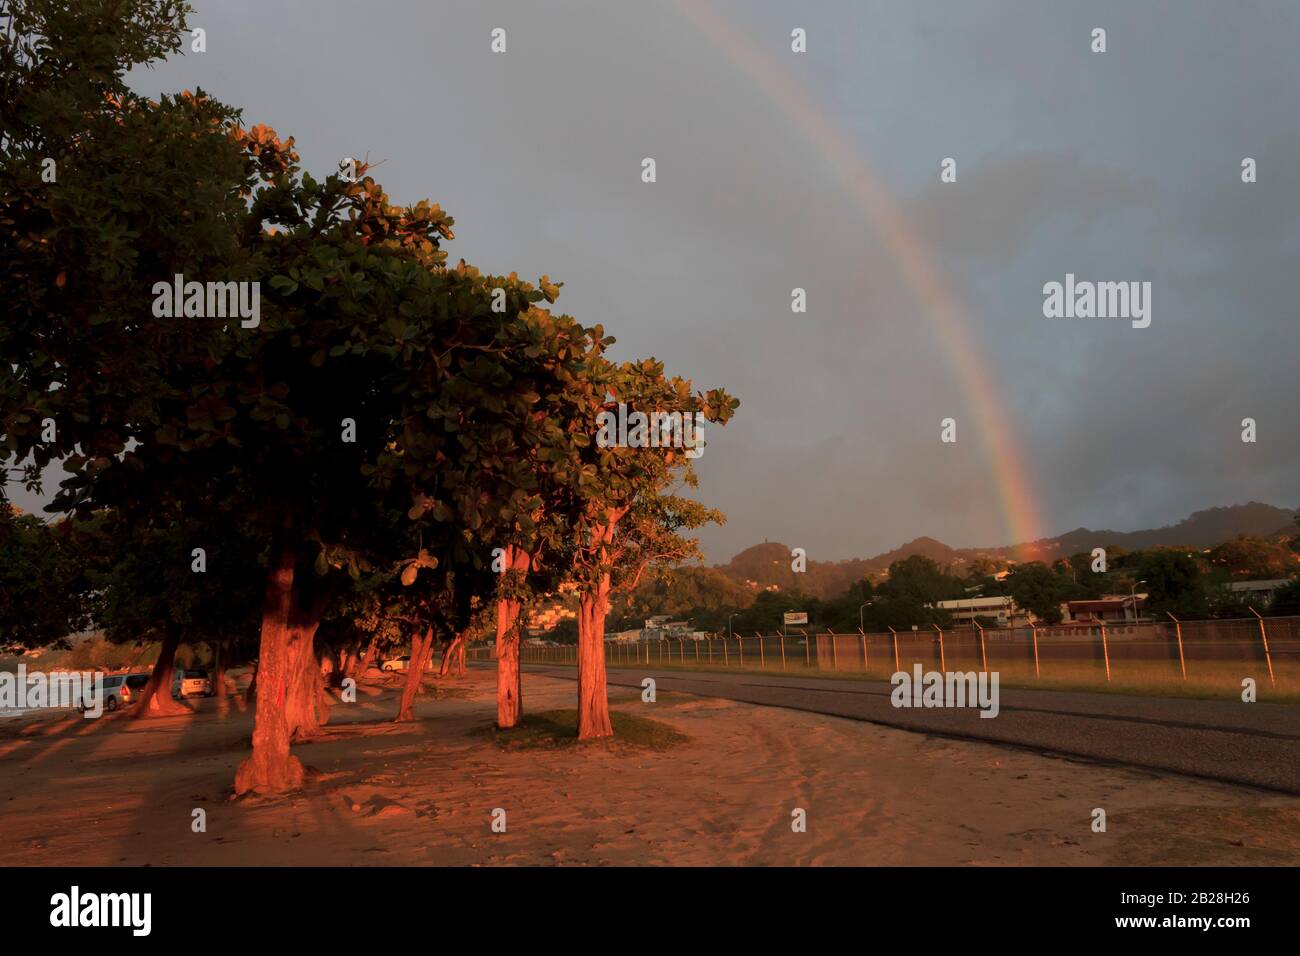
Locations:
column 1123, row 165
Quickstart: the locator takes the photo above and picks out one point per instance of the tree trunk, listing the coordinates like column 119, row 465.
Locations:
column 454, row 651
column 272, row 768
column 306, row 709
column 368, row 660
column 155, row 704
column 347, row 664
column 218, row 672
column 593, row 699
column 421, row 649
column 510, row 703
column 460, row 658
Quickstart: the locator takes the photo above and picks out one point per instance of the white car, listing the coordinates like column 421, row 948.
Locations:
column 403, row 663
column 193, row 684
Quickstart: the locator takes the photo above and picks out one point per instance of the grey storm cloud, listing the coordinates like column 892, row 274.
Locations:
column 1115, row 166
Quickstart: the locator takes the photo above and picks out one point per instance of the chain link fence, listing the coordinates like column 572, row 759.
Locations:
column 1216, row 654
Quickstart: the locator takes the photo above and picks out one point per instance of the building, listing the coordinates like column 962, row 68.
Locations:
column 661, row 627
column 1002, row 609
column 1108, row 609
column 543, row 618
column 1258, row 593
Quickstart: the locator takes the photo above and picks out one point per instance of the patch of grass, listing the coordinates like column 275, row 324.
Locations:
column 559, row 728
column 1259, row 835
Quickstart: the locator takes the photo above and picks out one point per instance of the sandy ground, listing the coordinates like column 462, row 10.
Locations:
column 122, row 791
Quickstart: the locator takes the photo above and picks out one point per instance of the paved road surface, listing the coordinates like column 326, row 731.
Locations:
column 1252, row 744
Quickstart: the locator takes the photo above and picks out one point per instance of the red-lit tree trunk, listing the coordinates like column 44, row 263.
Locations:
column 368, row 660
column 272, row 768
column 156, row 698
column 510, row 704
column 421, row 650
column 218, row 672
column 593, row 605
column 454, row 651
column 346, row 663
column 306, row 703
column 593, row 698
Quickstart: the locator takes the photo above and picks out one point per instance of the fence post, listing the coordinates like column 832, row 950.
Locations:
column 807, row 650
column 1178, row 629
column 1105, row 652
column 782, row 652
column 984, row 655
column 697, row 652
column 1034, row 629
column 897, row 667
column 943, row 663
column 762, row 661
column 1267, row 656
column 740, row 646
column 726, row 662
column 866, row 665
column 710, row 650
column 835, row 661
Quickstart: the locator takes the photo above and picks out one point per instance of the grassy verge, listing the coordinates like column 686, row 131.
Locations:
column 559, row 728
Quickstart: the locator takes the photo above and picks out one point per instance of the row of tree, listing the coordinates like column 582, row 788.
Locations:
column 395, row 442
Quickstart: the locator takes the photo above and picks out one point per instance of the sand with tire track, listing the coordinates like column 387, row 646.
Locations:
column 122, row 791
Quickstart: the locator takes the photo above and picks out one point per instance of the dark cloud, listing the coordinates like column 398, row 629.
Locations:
column 1116, row 166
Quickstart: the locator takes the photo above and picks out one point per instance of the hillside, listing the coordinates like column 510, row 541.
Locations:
column 769, row 563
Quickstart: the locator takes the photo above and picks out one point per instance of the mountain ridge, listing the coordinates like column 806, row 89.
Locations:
column 769, row 563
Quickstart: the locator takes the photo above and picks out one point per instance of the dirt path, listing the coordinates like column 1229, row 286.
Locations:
column 118, row 791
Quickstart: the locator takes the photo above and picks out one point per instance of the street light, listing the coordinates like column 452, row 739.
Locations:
column 729, row 625
column 868, row 604
column 1132, row 590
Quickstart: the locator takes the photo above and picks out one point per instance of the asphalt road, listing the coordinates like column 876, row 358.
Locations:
column 1256, row 745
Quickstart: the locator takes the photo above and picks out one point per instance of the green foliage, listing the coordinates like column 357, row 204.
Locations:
column 1040, row 590
column 1247, row 558
column 44, row 593
column 1173, row 583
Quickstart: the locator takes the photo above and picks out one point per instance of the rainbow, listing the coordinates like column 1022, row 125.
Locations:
column 1007, row 462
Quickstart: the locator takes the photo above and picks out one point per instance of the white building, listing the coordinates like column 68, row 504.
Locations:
column 1001, row 608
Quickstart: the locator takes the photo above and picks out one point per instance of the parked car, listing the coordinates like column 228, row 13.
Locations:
column 191, row 684
column 121, row 690
column 404, row 663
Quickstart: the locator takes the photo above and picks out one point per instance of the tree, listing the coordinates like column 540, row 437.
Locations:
column 1249, row 558
column 44, row 593
column 178, row 580
column 1039, row 590
column 1173, row 582
column 615, row 482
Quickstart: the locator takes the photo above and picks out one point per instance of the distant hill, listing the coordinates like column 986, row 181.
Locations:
column 768, row 563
